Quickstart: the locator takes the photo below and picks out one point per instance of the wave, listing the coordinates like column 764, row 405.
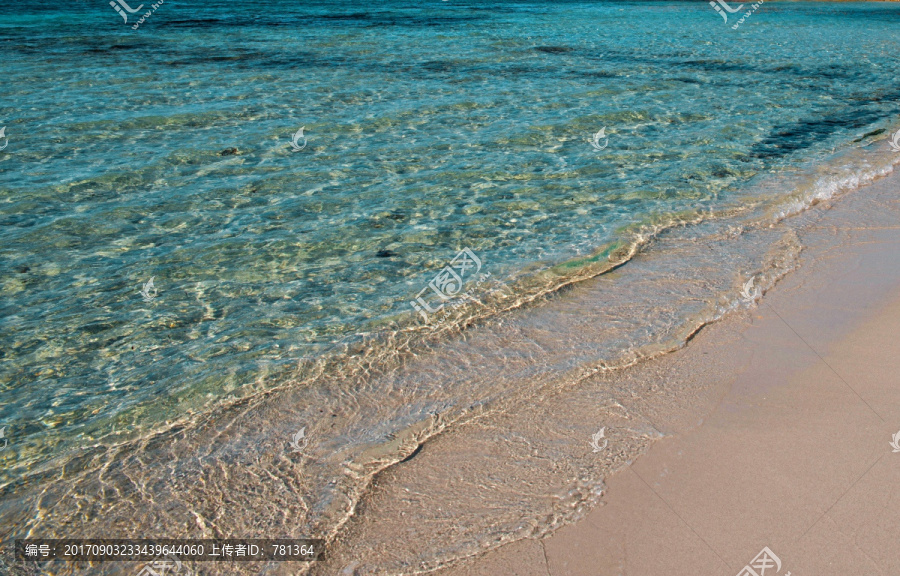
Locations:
column 373, row 400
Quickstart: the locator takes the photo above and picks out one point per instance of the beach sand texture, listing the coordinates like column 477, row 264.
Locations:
column 777, row 425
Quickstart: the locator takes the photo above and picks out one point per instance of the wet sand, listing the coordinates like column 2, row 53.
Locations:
column 771, row 428
column 793, row 452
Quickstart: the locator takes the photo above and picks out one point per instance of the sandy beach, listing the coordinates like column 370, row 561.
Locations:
column 793, row 454
column 775, row 428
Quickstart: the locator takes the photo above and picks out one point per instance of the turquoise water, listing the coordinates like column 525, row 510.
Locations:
column 430, row 128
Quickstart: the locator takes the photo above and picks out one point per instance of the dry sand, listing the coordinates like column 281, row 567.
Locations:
column 791, row 449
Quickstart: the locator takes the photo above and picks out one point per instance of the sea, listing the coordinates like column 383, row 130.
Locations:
column 253, row 254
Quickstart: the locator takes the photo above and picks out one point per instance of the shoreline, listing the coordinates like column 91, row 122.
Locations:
column 791, row 449
column 536, row 383
column 660, row 398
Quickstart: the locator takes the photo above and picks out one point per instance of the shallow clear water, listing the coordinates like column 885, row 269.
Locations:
column 430, row 127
